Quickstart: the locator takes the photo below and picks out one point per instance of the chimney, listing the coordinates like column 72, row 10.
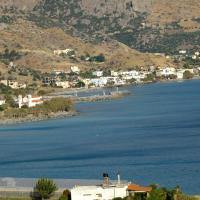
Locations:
column 105, row 179
column 118, row 178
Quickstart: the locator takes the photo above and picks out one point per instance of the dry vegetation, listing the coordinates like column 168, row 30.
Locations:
column 165, row 12
column 37, row 45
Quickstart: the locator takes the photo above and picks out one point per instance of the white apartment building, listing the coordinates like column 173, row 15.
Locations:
column 29, row 100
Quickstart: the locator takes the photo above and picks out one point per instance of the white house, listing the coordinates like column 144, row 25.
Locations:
column 167, row 71
column 29, row 100
column 182, row 52
column 4, row 82
column 194, row 57
column 98, row 73
column 63, row 84
column 98, row 192
column 137, row 75
column 75, row 69
column 130, row 73
column 99, row 82
column 180, row 73
column 107, row 191
column 114, row 73
column 2, row 102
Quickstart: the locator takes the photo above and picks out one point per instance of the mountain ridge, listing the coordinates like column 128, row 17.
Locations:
column 143, row 25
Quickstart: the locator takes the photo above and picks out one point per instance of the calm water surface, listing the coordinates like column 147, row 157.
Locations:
column 152, row 136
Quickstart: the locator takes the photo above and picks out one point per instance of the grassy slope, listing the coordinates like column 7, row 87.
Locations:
column 38, row 45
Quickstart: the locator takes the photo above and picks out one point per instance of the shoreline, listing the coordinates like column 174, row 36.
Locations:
column 94, row 98
column 60, row 115
column 93, row 89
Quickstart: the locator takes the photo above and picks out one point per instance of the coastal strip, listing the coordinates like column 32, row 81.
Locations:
column 30, row 118
column 63, row 114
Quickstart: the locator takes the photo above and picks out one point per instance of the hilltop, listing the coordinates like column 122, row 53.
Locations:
column 150, row 25
column 119, row 29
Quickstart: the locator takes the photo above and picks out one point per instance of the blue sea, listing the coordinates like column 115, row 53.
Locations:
column 151, row 136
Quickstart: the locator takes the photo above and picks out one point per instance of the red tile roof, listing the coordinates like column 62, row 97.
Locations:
column 134, row 187
column 36, row 101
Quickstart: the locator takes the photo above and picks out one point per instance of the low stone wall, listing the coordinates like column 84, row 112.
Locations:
column 23, row 187
column 23, row 192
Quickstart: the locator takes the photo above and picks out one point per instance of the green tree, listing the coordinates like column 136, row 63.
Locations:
column 140, row 196
column 80, row 84
column 157, row 194
column 99, row 58
column 10, row 101
column 187, row 75
column 45, row 188
column 66, row 195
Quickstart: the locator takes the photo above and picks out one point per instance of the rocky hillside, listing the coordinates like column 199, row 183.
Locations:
column 147, row 25
column 35, row 46
column 113, row 27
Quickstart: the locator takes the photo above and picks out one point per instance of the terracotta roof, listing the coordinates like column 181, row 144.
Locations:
column 37, row 100
column 134, row 187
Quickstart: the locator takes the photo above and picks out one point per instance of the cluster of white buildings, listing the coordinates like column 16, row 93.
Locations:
column 122, row 77
column 116, row 78
column 103, row 81
column 128, row 75
column 29, row 101
column 171, row 71
column 13, row 84
column 108, row 190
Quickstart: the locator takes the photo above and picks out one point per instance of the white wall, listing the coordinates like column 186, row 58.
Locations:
column 98, row 192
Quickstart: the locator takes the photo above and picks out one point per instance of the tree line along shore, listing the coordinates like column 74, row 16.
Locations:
column 53, row 106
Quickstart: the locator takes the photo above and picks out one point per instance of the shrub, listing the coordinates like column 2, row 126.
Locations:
column 187, row 75
column 45, row 188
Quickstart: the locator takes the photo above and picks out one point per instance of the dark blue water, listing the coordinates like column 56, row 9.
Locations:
column 152, row 136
